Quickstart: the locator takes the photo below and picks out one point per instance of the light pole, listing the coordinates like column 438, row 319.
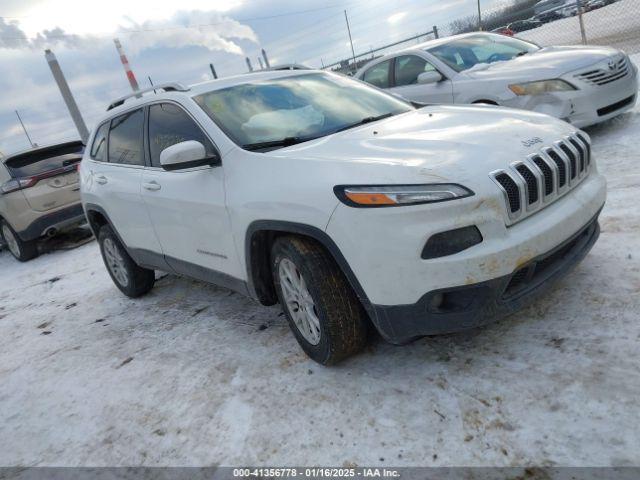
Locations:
column 479, row 17
column 353, row 52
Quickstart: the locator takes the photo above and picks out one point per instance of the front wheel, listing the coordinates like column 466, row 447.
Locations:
column 323, row 312
column 130, row 278
column 21, row 250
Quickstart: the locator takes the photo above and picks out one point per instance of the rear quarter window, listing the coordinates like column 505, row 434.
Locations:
column 99, row 146
column 30, row 164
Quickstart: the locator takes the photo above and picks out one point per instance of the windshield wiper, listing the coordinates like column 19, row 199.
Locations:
column 283, row 142
column 288, row 141
column 520, row 54
column 363, row 122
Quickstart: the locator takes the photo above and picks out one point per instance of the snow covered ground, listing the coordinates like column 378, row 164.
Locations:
column 616, row 25
column 195, row 375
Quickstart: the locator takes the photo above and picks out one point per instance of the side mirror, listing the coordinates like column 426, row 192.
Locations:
column 187, row 154
column 429, row 77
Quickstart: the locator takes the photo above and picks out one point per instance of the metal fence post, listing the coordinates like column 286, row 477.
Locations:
column 583, row 32
column 435, row 31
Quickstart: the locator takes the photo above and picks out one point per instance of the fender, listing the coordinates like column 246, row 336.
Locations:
column 257, row 291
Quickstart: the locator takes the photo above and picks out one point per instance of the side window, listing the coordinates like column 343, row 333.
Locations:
column 378, row 75
column 170, row 124
column 125, row 139
column 99, row 147
column 408, row 67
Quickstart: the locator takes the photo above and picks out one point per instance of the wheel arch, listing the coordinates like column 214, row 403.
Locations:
column 258, row 241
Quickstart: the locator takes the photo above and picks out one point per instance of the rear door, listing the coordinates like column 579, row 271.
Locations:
column 113, row 183
column 406, row 70
column 49, row 177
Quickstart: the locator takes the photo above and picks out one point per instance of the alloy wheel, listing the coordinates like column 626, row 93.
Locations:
column 11, row 241
column 299, row 301
column 115, row 262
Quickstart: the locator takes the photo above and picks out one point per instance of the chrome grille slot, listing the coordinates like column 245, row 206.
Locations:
column 543, row 177
column 581, row 153
column 616, row 70
column 572, row 160
column 560, row 165
column 547, row 173
column 511, row 189
column 587, row 145
column 531, row 182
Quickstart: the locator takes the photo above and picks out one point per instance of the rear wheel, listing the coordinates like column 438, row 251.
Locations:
column 20, row 249
column 323, row 312
column 130, row 278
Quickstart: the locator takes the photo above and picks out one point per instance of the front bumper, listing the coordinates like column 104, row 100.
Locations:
column 588, row 105
column 59, row 220
column 469, row 306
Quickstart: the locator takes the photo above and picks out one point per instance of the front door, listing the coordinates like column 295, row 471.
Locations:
column 187, row 207
column 406, row 71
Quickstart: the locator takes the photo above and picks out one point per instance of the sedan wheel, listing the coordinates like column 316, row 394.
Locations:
column 11, row 241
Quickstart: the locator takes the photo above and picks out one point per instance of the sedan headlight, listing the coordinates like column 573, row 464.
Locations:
column 398, row 195
column 543, row 86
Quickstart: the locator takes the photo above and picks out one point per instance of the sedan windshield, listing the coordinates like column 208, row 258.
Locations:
column 465, row 53
column 278, row 112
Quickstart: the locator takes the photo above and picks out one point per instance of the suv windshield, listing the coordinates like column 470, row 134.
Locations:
column 465, row 53
column 283, row 111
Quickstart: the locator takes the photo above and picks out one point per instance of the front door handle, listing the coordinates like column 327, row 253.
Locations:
column 153, row 186
column 101, row 179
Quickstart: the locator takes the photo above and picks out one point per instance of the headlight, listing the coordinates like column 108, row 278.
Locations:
column 544, row 86
column 397, row 195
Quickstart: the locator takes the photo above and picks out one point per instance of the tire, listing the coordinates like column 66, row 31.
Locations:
column 337, row 324
column 21, row 250
column 131, row 279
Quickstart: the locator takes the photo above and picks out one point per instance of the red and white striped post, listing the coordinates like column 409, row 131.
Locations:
column 127, row 68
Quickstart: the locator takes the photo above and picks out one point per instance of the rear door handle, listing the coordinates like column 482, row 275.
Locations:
column 153, row 186
column 101, row 179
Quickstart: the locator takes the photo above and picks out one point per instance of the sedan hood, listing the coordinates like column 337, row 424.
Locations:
column 550, row 62
column 440, row 143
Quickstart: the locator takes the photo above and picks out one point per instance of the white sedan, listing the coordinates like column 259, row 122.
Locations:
column 582, row 85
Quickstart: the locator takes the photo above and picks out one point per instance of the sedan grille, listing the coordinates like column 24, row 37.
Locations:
column 545, row 176
column 616, row 70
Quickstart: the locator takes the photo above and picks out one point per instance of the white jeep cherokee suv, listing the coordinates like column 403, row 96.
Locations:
column 345, row 204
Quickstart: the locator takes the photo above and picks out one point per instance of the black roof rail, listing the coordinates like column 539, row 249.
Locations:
column 167, row 87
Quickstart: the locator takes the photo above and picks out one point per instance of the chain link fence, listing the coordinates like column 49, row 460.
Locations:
column 614, row 23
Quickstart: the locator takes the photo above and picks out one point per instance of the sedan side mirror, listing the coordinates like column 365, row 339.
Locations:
column 429, row 77
column 187, row 154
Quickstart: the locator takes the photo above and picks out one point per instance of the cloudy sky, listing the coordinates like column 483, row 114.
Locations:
column 176, row 41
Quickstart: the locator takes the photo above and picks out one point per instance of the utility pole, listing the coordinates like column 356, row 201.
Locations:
column 353, row 52
column 33, row 145
column 213, row 71
column 266, row 60
column 127, row 68
column 67, row 96
column 260, row 62
column 249, row 64
column 479, row 17
column 583, row 32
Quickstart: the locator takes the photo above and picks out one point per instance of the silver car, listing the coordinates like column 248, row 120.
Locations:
column 582, row 85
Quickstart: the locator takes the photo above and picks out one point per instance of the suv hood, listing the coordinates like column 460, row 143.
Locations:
column 546, row 63
column 437, row 143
